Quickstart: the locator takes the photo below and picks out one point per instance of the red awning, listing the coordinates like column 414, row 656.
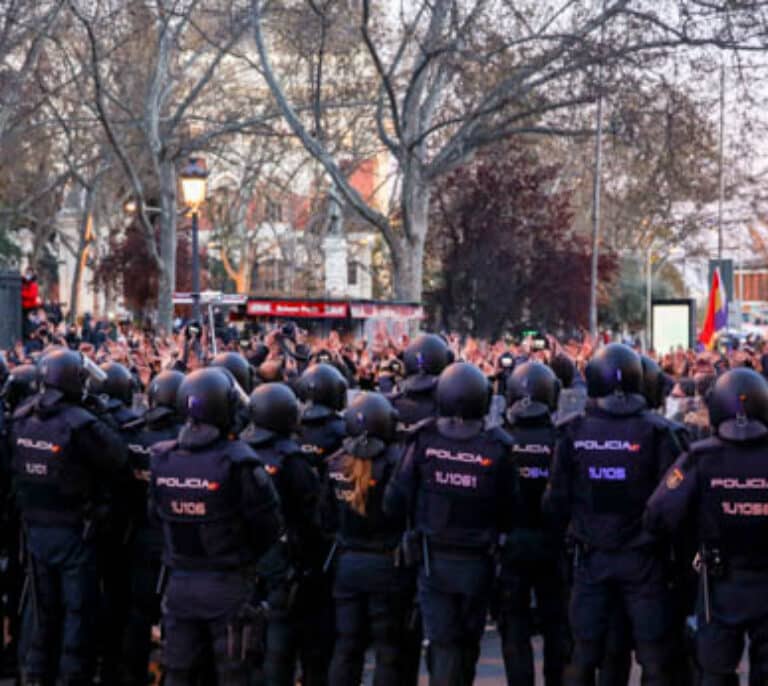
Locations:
column 386, row 311
column 297, row 308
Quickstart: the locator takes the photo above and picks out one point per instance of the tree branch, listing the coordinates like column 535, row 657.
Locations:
column 312, row 145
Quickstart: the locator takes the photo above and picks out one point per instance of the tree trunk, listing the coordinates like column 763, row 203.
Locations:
column 167, row 275
column 408, row 255
column 407, row 270
column 84, row 243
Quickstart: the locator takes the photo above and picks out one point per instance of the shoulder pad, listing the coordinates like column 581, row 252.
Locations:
column 239, row 451
column 708, row 445
column 135, row 424
column 76, row 417
column 419, row 384
column 659, row 422
column 287, row 446
column 413, row 429
column 341, row 452
column 563, row 421
column 164, row 446
column 127, row 417
column 24, row 410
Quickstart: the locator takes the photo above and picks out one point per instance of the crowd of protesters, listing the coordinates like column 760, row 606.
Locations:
column 283, row 350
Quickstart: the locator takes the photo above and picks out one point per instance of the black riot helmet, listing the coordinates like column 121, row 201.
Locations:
column 22, row 383
column 616, row 368
column 274, row 408
column 62, row 370
column 118, row 384
column 209, row 396
column 162, row 394
column 324, row 388
column 532, row 390
column 428, row 354
column 738, row 405
column 653, row 382
column 463, row 391
column 238, row 366
column 371, row 414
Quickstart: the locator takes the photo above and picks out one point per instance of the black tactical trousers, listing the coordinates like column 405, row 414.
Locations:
column 63, row 598
column 199, row 610
column 518, row 622
column 372, row 604
column 635, row 579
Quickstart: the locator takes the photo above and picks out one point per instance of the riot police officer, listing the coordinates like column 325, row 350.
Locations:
column 63, row 457
column 238, row 366
column 424, row 359
column 18, row 387
column 274, row 412
column 606, row 466
column 372, row 591
column 616, row 665
column 323, row 390
column 219, row 512
column 144, row 539
column 533, row 553
column 110, row 399
column 458, row 485
column 682, row 579
column 115, row 390
column 720, row 486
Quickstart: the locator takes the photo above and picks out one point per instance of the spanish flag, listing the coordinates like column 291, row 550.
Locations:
column 717, row 312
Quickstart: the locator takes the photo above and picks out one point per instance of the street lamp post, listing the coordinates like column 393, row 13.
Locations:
column 648, row 297
column 193, row 186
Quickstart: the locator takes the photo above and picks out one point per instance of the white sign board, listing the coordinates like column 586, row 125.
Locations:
column 671, row 326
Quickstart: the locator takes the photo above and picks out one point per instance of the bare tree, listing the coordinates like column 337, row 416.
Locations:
column 452, row 77
column 24, row 28
column 160, row 90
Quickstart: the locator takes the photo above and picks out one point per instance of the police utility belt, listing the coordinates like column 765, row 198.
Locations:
column 383, row 549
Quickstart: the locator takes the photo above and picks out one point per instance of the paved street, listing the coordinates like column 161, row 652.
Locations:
column 491, row 668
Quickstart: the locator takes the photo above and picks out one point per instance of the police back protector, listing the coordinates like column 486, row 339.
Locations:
column 198, row 496
column 616, row 469
column 457, row 501
column 734, row 500
column 54, row 486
